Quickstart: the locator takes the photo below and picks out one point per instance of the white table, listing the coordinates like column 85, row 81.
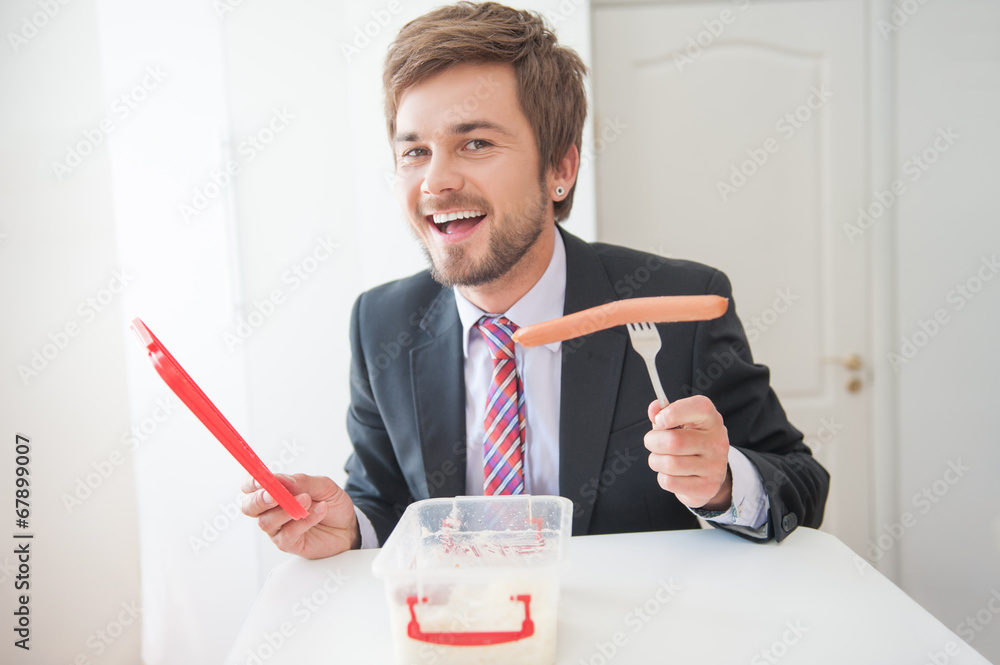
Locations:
column 678, row 596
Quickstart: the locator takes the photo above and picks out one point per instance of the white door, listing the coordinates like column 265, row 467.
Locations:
column 734, row 134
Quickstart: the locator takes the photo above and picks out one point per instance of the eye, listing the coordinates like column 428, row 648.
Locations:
column 415, row 152
column 478, row 144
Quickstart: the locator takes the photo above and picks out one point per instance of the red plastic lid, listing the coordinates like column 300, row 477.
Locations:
column 188, row 391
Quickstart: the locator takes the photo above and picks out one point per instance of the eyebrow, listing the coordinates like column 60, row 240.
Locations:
column 458, row 130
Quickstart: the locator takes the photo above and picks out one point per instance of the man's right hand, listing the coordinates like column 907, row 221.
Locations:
column 330, row 528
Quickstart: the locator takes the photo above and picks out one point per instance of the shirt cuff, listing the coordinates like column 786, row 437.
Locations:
column 369, row 539
column 750, row 503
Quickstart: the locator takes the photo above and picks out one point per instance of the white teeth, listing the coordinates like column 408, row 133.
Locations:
column 452, row 216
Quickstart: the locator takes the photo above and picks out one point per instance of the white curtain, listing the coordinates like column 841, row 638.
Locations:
column 254, row 189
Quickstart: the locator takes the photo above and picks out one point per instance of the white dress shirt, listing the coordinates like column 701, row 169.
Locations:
column 540, row 369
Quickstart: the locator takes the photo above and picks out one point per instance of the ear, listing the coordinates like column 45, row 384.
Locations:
column 563, row 174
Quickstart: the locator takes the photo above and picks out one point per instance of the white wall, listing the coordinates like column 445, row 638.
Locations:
column 932, row 66
column 947, row 223
column 286, row 387
column 57, row 249
column 201, row 81
column 198, row 568
column 329, row 175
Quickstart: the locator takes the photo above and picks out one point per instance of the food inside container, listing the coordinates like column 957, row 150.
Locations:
column 476, row 579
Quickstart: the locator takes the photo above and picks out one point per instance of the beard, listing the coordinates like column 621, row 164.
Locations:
column 511, row 236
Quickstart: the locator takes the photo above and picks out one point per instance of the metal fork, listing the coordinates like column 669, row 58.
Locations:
column 646, row 341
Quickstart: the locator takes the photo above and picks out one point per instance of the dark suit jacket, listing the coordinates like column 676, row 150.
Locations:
column 407, row 413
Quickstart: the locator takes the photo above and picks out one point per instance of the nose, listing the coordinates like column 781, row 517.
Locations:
column 442, row 175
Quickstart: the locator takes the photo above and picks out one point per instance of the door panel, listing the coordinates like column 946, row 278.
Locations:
column 742, row 145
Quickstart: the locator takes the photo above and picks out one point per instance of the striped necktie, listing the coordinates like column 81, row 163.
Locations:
column 503, row 453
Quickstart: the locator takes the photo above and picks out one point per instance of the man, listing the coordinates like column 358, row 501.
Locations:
column 485, row 113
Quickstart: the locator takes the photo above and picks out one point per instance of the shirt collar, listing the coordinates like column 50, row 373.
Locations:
column 544, row 301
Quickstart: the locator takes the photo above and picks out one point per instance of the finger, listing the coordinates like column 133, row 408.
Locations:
column 257, row 502
column 680, row 465
column 320, row 488
column 271, row 521
column 249, row 485
column 676, row 442
column 292, row 532
column 695, row 412
column 652, row 410
column 696, row 489
column 292, row 483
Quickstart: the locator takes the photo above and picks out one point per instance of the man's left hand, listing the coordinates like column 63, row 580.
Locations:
column 689, row 450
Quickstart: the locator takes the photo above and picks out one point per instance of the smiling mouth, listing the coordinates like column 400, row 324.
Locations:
column 457, row 221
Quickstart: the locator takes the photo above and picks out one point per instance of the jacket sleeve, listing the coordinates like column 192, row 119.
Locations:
column 375, row 481
column 723, row 369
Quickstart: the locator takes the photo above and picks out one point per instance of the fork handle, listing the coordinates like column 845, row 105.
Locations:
column 657, row 386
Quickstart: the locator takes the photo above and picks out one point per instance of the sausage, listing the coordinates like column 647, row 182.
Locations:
column 662, row 309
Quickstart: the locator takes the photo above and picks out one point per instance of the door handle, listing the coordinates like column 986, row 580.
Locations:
column 851, row 361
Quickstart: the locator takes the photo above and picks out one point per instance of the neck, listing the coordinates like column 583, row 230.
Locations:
column 500, row 295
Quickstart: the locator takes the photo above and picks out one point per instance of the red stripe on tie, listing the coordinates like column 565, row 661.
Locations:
column 503, row 427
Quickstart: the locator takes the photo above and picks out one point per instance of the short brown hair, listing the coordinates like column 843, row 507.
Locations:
column 550, row 77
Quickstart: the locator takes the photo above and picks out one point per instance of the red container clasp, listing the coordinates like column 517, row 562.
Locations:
column 471, row 639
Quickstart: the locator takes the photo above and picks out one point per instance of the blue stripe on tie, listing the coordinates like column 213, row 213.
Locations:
column 504, row 413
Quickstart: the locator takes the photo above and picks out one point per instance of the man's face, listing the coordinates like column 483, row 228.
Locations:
column 467, row 174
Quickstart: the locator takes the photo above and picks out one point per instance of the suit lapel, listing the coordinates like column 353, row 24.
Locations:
column 438, row 377
column 591, row 372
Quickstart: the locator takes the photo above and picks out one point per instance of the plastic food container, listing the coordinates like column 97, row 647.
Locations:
column 476, row 579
